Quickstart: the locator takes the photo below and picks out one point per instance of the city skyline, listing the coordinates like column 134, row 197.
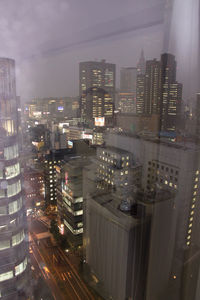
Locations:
column 123, row 48
column 99, row 150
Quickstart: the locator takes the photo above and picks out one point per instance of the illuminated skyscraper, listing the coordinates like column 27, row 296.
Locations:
column 170, row 94
column 140, row 93
column 97, row 90
column 152, row 87
column 158, row 92
column 13, row 230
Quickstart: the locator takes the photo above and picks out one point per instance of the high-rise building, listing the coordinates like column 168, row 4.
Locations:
column 141, row 64
column 13, row 229
column 130, row 224
column 128, row 80
column 169, row 165
column 70, row 189
column 140, row 92
column 158, row 92
column 33, row 187
column 127, row 95
column 170, row 94
column 152, row 87
column 97, row 91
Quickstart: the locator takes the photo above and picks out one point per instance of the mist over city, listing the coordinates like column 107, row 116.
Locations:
column 99, row 150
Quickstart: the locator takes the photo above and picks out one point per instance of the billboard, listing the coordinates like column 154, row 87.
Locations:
column 60, row 108
column 99, row 121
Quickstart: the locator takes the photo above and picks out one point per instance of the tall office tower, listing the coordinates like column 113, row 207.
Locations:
column 70, row 195
column 141, row 64
column 13, row 230
column 127, row 95
column 168, row 165
column 140, row 92
column 170, row 94
column 129, row 224
column 70, row 189
column 152, row 87
column 97, row 91
column 158, row 92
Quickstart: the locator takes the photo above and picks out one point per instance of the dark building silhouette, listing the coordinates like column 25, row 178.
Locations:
column 127, row 95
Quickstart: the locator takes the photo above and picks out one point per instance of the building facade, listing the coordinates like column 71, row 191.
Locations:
column 127, row 95
column 14, row 271
column 97, row 90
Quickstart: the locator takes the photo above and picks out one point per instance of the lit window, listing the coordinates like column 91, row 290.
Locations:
column 6, row 276
column 18, row 238
column 12, row 171
column 14, row 206
column 14, row 188
column 21, row 267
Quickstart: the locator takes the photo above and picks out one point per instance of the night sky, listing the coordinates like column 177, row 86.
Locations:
column 48, row 38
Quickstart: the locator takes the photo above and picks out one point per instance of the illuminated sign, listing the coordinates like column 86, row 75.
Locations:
column 60, row 108
column 99, row 122
column 70, row 144
column 66, row 178
column 37, row 113
column 87, row 136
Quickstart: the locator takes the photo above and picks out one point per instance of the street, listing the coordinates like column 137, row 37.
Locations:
column 55, row 268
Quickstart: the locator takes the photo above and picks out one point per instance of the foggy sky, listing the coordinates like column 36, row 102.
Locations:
column 48, row 38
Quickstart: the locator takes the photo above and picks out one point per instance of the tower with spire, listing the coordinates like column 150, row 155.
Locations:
column 141, row 64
